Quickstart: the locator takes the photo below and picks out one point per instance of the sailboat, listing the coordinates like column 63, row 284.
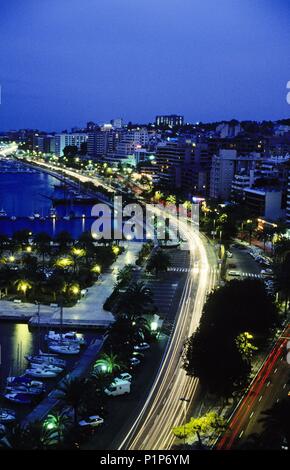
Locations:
column 61, row 346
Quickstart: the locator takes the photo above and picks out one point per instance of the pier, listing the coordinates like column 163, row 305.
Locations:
column 80, row 370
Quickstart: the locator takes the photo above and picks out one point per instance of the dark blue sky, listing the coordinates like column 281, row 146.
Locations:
column 64, row 62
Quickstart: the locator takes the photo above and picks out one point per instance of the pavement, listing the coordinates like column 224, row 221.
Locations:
column 90, row 307
column 242, row 262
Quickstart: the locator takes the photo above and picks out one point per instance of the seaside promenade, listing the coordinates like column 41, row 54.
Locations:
column 87, row 313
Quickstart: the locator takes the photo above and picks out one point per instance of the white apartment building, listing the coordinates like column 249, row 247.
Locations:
column 63, row 140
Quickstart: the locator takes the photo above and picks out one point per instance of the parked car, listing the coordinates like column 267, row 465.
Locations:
column 134, row 361
column 141, row 346
column 125, row 376
column 229, row 254
column 91, row 421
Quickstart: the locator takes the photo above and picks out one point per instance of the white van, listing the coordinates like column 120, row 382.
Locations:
column 118, row 387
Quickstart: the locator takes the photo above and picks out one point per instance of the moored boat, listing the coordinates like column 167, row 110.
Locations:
column 7, row 416
column 70, row 337
column 61, row 348
column 21, row 398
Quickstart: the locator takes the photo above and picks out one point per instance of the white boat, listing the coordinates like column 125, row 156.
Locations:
column 51, row 367
column 66, row 217
column 45, row 358
column 70, row 337
column 31, row 217
column 36, row 215
column 60, row 348
column 41, row 372
column 13, row 217
column 7, row 416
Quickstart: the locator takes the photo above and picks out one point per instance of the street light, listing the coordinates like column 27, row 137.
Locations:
column 184, row 401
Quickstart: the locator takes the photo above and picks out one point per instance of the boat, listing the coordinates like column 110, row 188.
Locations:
column 7, row 416
column 66, row 217
column 70, row 337
column 24, row 384
column 31, row 217
column 21, row 398
column 13, row 217
column 52, row 212
column 3, row 213
column 51, row 367
column 62, row 348
column 36, row 215
column 41, row 372
column 43, row 358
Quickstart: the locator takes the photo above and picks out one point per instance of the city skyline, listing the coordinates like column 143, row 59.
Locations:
column 137, row 61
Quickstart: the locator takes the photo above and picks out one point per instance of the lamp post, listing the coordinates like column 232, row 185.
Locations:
column 184, row 401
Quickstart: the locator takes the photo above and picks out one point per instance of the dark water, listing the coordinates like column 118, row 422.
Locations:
column 22, row 194
column 17, row 342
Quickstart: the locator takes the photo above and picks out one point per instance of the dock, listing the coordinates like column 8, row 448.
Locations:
column 69, row 324
column 80, row 370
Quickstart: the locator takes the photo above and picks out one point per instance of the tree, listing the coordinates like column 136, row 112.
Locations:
column 57, row 423
column 218, row 353
column 137, row 299
column 71, row 392
column 108, row 363
column 245, row 345
column 203, row 425
column 159, row 261
column 125, row 275
column 70, row 151
column 64, row 239
column 23, row 285
column 42, row 241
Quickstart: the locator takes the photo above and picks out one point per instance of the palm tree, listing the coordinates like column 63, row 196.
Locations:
column 23, row 285
column 58, row 424
column 108, row 363
column 64, row 239
column 42, row 241
column 71, row 392
column 136, row 300
column 159, row 261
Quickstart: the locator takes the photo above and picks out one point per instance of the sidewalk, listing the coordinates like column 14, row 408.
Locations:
column 88, row 310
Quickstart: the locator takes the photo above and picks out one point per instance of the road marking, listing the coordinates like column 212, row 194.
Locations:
column 278, row 399
column 252, row 414
column 275, row 370
column 241, row 434
column 284, row 386
column 260, row 397
column 268, row 384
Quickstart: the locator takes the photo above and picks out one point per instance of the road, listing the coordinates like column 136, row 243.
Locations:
column 163, row 408
column 268, row 387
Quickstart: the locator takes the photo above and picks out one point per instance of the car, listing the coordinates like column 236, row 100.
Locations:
column 91, row 421
column 134, row 361
column 141, row 346
column 229, row 254
column 234, row 273
column 125, row 376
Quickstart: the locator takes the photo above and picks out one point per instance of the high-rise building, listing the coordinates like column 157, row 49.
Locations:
column 171, row 120
column 63, row 140
column 288, row 201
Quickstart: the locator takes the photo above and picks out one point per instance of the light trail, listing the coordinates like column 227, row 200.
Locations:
column 152, row 430
column 163, row 410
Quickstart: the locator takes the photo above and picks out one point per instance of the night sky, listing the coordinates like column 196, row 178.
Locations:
column 65, row 62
